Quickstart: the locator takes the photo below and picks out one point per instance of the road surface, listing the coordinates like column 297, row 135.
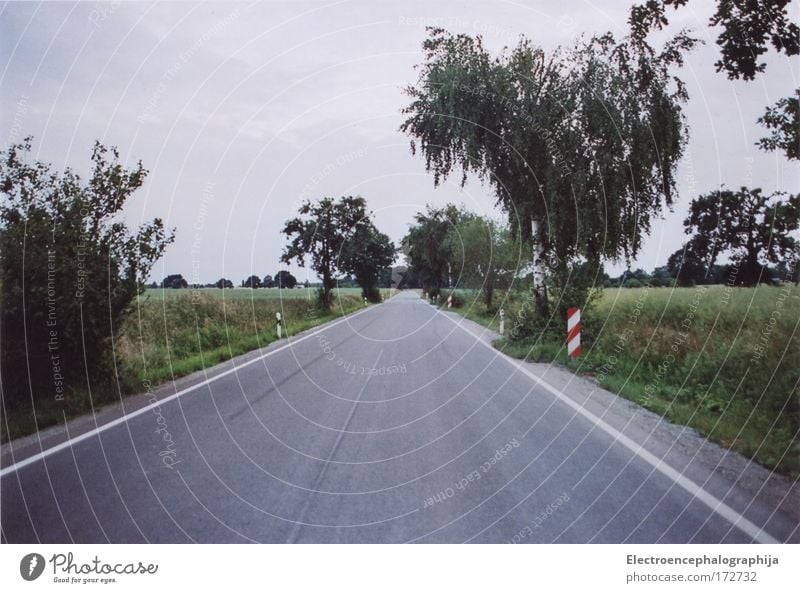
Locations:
column 396, row 424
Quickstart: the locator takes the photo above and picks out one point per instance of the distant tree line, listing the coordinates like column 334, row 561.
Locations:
column 450, row 247
column 283, row 279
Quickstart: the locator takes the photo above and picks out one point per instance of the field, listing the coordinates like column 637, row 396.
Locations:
column 723, row 360
column 170, row 333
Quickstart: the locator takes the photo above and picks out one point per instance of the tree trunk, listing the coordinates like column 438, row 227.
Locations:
column 539, row 272
column 488, row 289
column 327, row 283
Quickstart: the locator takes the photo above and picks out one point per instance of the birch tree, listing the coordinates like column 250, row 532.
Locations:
column 580, row 145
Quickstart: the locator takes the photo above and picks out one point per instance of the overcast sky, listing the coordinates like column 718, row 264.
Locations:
column 240, row 111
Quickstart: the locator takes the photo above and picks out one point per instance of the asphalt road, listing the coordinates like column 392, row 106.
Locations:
column 395, row 424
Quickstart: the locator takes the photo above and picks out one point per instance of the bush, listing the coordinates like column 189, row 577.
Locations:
column 633, row 283
column 69, row 269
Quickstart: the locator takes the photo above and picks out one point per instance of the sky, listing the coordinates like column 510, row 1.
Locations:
column 240, row 111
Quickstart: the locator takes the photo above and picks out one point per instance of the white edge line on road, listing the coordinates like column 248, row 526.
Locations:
column 122, row 419
column 711, row 501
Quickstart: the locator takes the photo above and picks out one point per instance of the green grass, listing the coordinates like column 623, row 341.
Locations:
column 172, row 333
column 711, row 358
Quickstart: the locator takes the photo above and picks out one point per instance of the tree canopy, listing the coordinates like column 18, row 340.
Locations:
column 749, row 28
column 334, row 235
column 285, row 279
column 174, row 281
column 483, row 254
column 753, row 229
column 427, row 249
column 783, row 121
column 584, row 141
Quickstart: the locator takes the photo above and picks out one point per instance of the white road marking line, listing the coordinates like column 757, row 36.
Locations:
column 711, row 501
column 122, row 419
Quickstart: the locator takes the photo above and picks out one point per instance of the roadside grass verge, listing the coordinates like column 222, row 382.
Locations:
column 722, row 360
column 166, row 338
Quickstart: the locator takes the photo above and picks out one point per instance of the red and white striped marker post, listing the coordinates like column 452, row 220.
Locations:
column 574, row 332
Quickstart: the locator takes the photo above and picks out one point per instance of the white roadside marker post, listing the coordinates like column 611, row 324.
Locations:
column 450, row 302
column 574, row 332
column 502, row 321
column 278, row 317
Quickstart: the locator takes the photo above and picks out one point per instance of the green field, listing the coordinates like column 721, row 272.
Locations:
column 723, row 360
column 171, row 333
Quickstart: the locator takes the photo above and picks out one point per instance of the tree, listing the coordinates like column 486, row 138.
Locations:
column 367, row 254
column 252, row 282
column 597, row 129
column 284, row 279
column 483, row 255
column 174, row 281
column 783, row 119
column 223, row 283
column 687, row 266
column 749, row 27
column 753, row 229
column 322, row 232
column 662, row 276
column 406, row 278
column 70, row 270
column 426, row 247
column 268, row 282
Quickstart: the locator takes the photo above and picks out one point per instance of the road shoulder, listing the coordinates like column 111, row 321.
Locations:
column 728, row 475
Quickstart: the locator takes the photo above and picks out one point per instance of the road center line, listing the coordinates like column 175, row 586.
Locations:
column 124, row 418
column 697, row 491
